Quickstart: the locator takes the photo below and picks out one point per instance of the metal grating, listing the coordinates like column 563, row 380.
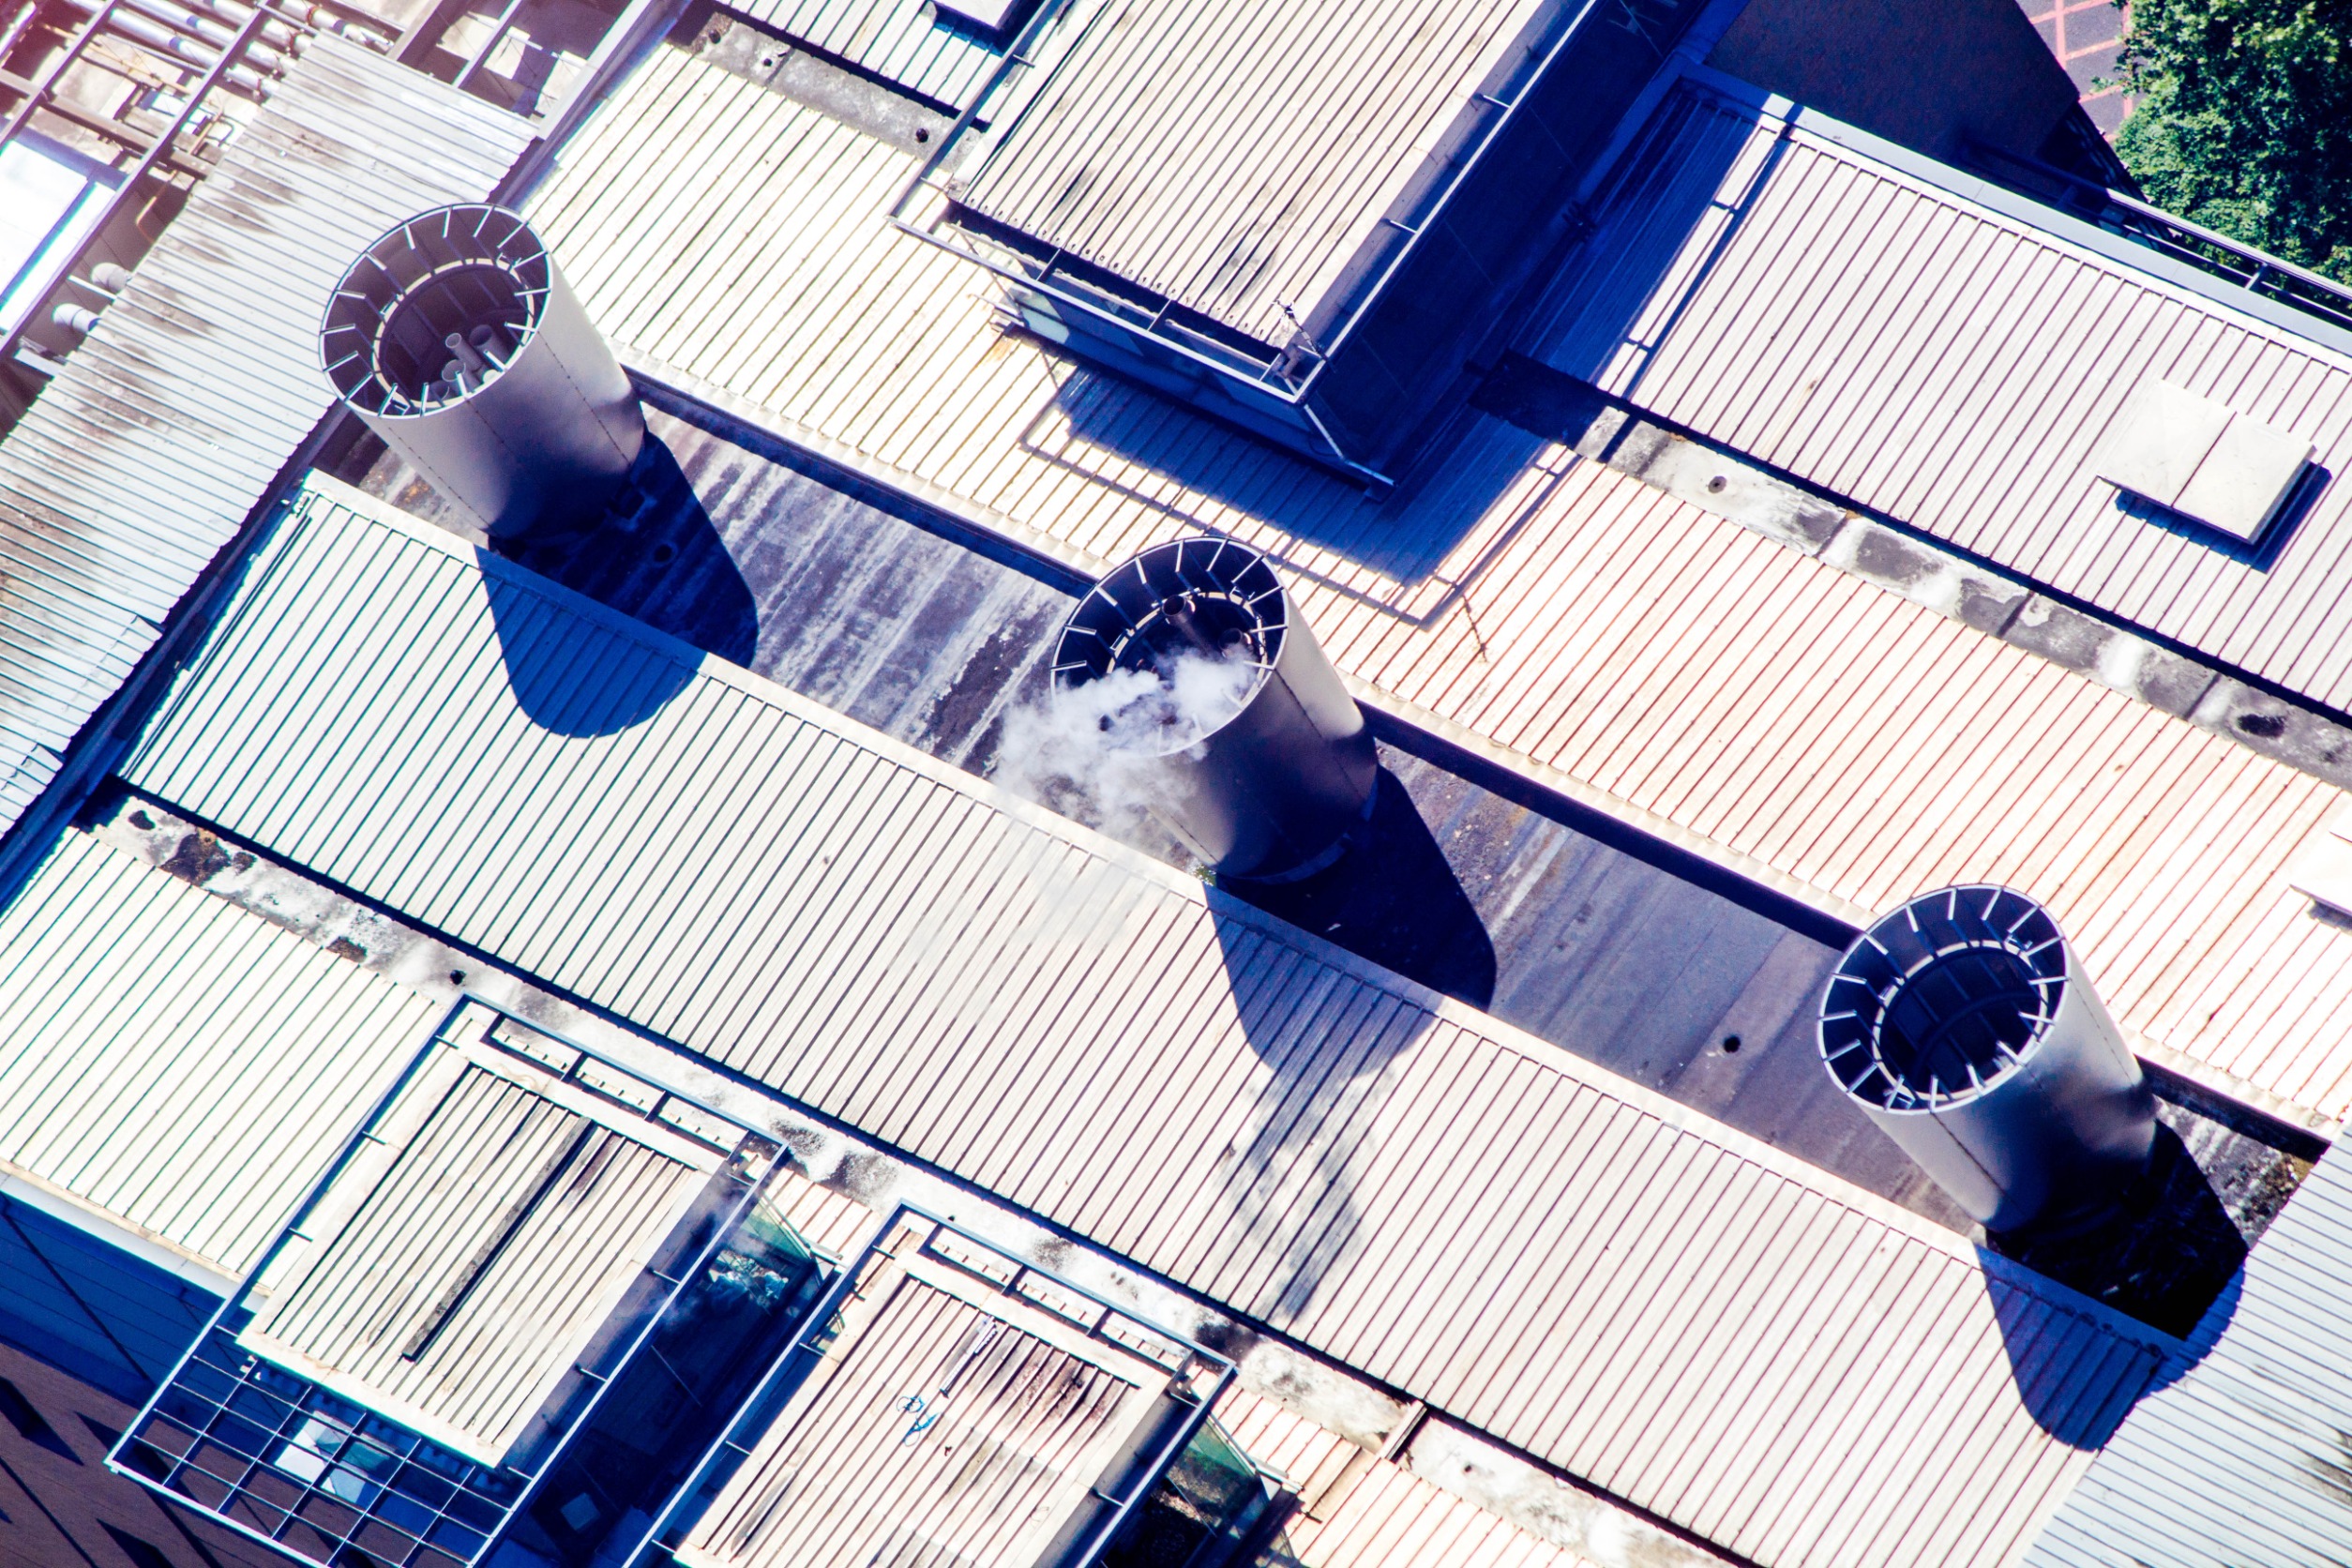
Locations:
column 280, row 1457
column 305, row 1460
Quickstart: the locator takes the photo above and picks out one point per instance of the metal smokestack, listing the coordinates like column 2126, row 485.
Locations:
column 457, row 342
column 1268, row 785
column 1965, row 1026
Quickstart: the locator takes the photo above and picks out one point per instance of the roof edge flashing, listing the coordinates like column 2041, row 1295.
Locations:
column 2003, row 204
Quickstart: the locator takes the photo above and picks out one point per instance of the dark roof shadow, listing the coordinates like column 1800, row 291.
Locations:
column 578, row 674
column 659, row 558
column 2172, row 1255
column 1190, row 458
column 1392, row 899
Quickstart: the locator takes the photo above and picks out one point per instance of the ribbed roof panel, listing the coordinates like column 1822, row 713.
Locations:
column 1782, row 1364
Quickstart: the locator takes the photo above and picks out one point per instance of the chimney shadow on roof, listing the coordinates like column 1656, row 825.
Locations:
column 1288, row 1181
column 2066, row 1377
column 658, row 557
column 2067, row 1380
column 1393, row 900
column 2172, row 1256
column 578, row 674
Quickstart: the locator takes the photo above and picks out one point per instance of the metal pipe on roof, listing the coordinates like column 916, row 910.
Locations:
column 276, row 33
column 1964, row 1026
column 1206, row 675
column 195, row 52
column 205, row 23
column 455, row 338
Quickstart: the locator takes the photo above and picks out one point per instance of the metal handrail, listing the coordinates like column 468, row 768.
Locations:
column 230, row 58
column 445, row 1035
column 2216, row 254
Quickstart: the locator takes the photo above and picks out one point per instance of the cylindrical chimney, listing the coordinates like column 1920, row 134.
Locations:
column 1964, row 1025
column 1264, row 760
column 457, row 342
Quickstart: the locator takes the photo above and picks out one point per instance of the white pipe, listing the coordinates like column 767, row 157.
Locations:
column 207, row 30
column 195, row 56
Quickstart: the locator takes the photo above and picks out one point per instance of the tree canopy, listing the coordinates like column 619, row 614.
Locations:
column 2244, row 121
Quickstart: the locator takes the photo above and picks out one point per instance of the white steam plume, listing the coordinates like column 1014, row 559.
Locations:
column 1093, row 751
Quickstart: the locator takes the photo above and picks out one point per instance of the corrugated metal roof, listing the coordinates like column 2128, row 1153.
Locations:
column 456, row 1269
column 234, row 1056
column 901, row 41
column 1780, row 1363
column 1361, row 1512
column 1238, row 156
column 146, row 454
column 2244, row 1458
column 1352, row 1509
column 1954, row 367
column 1622, row 645
column 947, row 1422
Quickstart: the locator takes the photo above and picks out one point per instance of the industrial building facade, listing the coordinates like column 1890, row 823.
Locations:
column 1715, row 923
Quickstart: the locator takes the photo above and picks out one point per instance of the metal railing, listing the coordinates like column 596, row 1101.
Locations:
column 238, row 47
column 2215, row 254
column 275, row 1458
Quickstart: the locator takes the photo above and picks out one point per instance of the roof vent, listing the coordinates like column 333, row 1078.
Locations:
column 1265, row 759
column 457, row 342
column 2202, row 460
column 1962, row 1025
column 2322, row 871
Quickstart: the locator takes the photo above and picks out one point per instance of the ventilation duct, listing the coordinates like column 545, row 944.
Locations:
column 1964, row 1025
column 1263, row 761
column 457, row 342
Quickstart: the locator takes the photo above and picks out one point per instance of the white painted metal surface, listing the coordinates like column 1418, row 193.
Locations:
column 142, row 459
column 2201, row 459
column 1237, row 157
column 1853, row 325
column 2323, row 872
column 2241, row 1458
column 1780, row 1363
column 2158, row 440
column 1715, row 687
column 463, row 1260
column 176, row 1062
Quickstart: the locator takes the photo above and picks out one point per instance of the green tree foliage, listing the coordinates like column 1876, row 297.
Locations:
column 2244, row 121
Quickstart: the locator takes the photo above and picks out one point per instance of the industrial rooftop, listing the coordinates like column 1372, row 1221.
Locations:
column 1086, row 783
